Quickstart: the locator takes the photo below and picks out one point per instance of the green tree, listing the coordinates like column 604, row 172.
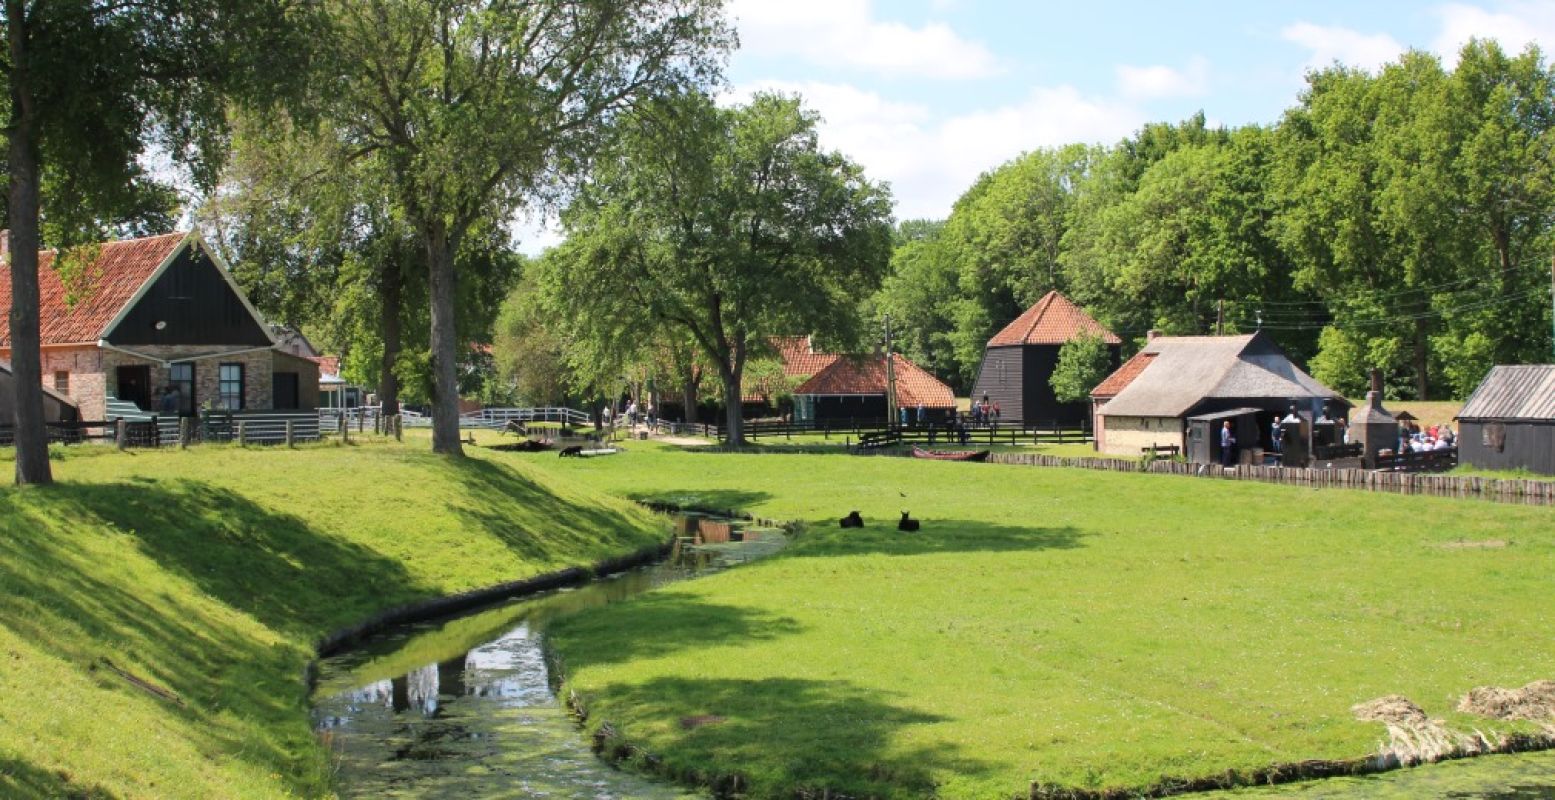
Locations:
column 729, row 226
column 921, row 295
column 476, row 106
column 1083, row 362
column 89, row 84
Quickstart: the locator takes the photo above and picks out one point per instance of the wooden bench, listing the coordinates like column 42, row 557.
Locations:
column 1160, row 451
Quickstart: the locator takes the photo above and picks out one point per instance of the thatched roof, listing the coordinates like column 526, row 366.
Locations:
column 1188, row 370
column 1520, row 392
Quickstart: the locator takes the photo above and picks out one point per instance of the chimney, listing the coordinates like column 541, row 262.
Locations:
column 5, row 243
column 1151, row 334
column 1376, row 381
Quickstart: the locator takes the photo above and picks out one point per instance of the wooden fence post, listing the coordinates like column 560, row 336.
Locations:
column 291, row 436
column 121, row 435
column 184, row 429
column 242, row 433
column 399, row 428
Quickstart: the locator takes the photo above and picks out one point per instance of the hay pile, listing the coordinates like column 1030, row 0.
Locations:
column 1536, row 701
column 1413, row 737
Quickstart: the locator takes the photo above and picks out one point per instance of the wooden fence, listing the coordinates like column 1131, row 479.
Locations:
column 1505, row 490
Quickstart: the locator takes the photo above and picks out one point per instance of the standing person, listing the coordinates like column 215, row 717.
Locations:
column 167, row 404
column 921, row 415
column 997, row 414
column 1227, row 445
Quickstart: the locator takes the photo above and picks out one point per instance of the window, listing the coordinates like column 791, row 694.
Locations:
column 230, row 386
column 62, row 382
column 181, row 376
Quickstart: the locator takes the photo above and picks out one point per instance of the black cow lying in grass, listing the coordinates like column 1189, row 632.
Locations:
column 575, row 451
column 907, row 523
column 852, row 520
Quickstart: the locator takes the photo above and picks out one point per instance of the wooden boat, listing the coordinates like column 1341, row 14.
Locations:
column 950, row 455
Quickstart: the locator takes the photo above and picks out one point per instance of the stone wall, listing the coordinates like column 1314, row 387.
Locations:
column 1126, row 436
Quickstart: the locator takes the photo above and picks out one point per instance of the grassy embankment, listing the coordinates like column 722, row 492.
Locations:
column 157, row 608
column 1082, row 629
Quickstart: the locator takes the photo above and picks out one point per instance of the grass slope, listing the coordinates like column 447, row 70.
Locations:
column 1081, row 629
column 207, row 575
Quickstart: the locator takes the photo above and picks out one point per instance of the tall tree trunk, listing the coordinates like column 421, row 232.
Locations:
column 445, row 341
column 1421, row 361
column 388, row 379
column 688, row 394
column 732, row 375
column 31, row 438
column 734, row 416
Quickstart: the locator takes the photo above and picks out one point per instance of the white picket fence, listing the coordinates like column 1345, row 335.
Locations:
column 362, row 417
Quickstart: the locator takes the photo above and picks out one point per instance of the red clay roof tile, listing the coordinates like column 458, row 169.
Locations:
column 1052, row 320
column 104, row 287
column 1123, row 376
column 853, row 376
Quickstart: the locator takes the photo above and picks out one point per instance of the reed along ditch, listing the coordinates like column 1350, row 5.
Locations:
column 467, row 706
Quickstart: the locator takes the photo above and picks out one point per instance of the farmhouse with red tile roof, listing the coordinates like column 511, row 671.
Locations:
column 855, row 388
column 145, row 314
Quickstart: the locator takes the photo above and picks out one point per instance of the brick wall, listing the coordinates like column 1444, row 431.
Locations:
column 257, row 370
column 86, row 376
column 1126, row 435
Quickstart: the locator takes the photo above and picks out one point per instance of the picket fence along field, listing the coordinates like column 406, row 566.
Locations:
column 1506, row 490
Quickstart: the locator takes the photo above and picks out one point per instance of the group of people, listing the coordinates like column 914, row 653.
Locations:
column 1411, row 439
column 984, row 412
column 631, row 415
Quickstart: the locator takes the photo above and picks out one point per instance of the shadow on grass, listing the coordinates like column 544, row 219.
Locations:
column 663, row 622
column 20, row 779
column 880, row 537
column 60, row 588
column 736, row 500
column 786, row 737
column 511, row 508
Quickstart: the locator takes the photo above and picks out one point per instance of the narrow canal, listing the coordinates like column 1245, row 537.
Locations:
column 467, row 707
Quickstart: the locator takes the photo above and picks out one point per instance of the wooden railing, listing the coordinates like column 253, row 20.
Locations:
column 1425, row 461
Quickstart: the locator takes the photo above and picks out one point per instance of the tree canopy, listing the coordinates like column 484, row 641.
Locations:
column 724, row 226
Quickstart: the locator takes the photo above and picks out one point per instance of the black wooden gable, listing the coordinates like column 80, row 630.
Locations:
column 190, row 303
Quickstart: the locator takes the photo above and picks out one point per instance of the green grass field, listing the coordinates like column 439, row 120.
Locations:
column 157, row 608
column 1080, row 629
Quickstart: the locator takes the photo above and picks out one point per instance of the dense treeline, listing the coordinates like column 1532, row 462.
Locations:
column 1403, row 220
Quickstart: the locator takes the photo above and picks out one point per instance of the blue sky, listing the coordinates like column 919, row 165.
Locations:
column 927, row 94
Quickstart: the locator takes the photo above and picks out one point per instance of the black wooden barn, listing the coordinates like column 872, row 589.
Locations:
column 1509, row 421
column 1019, row 361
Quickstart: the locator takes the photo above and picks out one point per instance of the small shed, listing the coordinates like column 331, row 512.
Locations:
column 1204, row 433
column 1509, row 421
column 56, row 406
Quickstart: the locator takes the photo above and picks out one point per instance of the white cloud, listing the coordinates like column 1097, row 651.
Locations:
column 1515, row 25
column 1349, row 47
column 928, row 161
column 1160, row 81
column 846, row 33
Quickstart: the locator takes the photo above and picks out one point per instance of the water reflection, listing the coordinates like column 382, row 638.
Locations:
column 466, row 707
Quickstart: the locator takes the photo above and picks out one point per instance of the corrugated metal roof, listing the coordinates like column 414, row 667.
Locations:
column 1520, row 391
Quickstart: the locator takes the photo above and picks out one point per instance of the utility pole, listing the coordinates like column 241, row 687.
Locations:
column 1552, row 299
column 890, row 377
column 1220, row 317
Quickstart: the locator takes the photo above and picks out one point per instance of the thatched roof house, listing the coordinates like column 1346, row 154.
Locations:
column 1509, row 421
column 1147, row 401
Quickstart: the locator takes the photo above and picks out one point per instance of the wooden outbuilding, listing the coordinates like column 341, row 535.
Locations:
column 1509, row 421
column 56, row 407
column 854, row 388
column 1019, row 360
